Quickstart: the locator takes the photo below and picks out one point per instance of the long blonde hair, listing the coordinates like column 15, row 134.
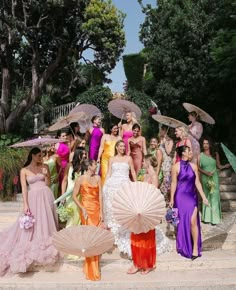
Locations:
column 184, row 132
column 117, row 144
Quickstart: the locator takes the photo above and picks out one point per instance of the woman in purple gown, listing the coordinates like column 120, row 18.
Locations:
column 184, row 183
column 96, row 133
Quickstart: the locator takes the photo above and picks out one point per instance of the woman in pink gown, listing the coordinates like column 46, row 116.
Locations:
column 137, row 148
column 22, row 248
column 126, row 129
column 63, row 151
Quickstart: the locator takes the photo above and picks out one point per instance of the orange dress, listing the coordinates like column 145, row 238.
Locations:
column 143, row 248
column 108, row 152
column 90, row 201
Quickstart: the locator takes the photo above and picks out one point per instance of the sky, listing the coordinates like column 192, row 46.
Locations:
column 134, row 18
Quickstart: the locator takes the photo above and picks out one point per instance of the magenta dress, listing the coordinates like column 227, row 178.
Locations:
column 94, row 143
column 63, row 152
column 186, row 200
column 126, row 136
column 20, row 248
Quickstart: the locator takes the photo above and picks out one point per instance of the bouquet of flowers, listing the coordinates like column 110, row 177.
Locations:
column 64, row 213
column 211, row 185
column 27, row 221
column 141, row 173
column 172, row 216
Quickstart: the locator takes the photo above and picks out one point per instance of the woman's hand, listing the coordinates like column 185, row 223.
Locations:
column 44, row 171
column 85, row 214
column 171, row 203
column 226, row 166
column 205, row 201
column 210, row 173
column 26, row 209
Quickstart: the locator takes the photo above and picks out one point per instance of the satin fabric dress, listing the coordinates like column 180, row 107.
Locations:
column 90, row 201
column 108, row 152
column 63, row 151
column 186, row 200
column 126, row 136
column 94, row 143
column 20, row 248
column 209, row 215
column 54, row 176
column 136, row 152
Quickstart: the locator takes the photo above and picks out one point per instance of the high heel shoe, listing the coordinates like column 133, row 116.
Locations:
column 194, row 257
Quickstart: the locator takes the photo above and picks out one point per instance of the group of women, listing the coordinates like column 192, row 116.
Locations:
column 87, row 181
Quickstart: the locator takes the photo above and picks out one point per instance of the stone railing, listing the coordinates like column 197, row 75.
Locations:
column 46, row 118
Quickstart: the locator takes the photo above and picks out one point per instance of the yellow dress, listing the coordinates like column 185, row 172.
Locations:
column 89, row 195
column 108, row 152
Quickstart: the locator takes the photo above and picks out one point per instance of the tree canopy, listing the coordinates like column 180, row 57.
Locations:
column 42, row 39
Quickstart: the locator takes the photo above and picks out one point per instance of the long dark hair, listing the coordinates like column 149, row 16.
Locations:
column 212, row 148
column 85, row 165
column 76, row 161
column 33, row 151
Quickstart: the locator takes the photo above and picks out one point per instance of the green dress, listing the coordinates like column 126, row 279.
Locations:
column 52, row 165
column 211, row 189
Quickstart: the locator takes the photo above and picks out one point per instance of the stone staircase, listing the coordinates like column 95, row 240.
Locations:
column 214, row 270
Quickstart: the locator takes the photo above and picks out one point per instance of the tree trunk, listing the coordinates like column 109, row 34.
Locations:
column 5, row 103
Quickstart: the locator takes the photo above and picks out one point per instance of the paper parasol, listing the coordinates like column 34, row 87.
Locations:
column 168, row 121
column 230, row 156
column 138, row 206
column 204, row 116
column 86, row 241
column 119, row 108
column 64, row 122
column 89, row 111
column 36, row 142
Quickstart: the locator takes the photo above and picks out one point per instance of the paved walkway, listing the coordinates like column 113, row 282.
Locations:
column 216, row 269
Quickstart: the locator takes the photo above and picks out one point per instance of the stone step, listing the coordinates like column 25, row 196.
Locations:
column 225, row 173
column 227, row 180
column 228, row 187
column 227, row 195
column 228, row 205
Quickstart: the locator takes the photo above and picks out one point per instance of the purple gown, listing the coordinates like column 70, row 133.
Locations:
column 186, row 200
column 94, row 143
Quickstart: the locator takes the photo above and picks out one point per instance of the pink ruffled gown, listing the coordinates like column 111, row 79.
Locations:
column 20, row 248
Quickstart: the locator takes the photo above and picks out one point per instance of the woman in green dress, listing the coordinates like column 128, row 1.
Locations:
column 208, row 163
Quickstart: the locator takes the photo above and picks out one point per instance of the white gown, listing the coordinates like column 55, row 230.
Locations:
column 120, row 175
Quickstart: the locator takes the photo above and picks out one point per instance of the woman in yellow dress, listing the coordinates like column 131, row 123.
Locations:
column 89, row 187
column 107, row 149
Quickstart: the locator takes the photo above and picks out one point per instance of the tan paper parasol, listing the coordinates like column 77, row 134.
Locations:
column 138, row 206
column 168, row 121
column 67, row 120
column 204, row 116
column 89, row 111
column 36, row 142
column 119, row 108
column 86, row 241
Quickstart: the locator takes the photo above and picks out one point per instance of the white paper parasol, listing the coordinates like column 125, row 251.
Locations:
column 204, row 116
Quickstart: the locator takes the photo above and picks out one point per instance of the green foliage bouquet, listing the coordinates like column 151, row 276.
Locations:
column 64, row 213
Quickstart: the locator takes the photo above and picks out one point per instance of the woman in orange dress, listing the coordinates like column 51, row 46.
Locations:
column 143, row 246
column 137, row 147
column 90, row 204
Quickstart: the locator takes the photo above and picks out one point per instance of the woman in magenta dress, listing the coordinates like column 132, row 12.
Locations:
column 96, row 133
column 63, row 151
column 137, row 147
column 126, row 129
column 184, row 197
column 22, row 248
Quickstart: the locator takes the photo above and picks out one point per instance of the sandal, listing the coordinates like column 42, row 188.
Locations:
column 145, row 272
column 133, row 270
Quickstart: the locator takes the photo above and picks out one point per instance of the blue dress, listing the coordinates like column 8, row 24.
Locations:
column 186, row 199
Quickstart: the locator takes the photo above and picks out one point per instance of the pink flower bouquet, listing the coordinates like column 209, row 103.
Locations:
column 27, row 221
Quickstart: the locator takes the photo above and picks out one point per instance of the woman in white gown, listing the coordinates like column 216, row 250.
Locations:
column 119, row 170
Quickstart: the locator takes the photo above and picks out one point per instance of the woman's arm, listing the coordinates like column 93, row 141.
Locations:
column 75, row 194
column 65, row 179
column 46, row 173
column 159, row 157
column 174, row 174
column 109, row 168
column 218, row 163
column 144, row 146
column 131, row 165
column 100, row 198
column 128, row 151
column 24, row 189
column 101, row 148
column 198, row 184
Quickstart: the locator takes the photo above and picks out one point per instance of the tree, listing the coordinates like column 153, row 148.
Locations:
column 38, row 38
column 177, row 36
